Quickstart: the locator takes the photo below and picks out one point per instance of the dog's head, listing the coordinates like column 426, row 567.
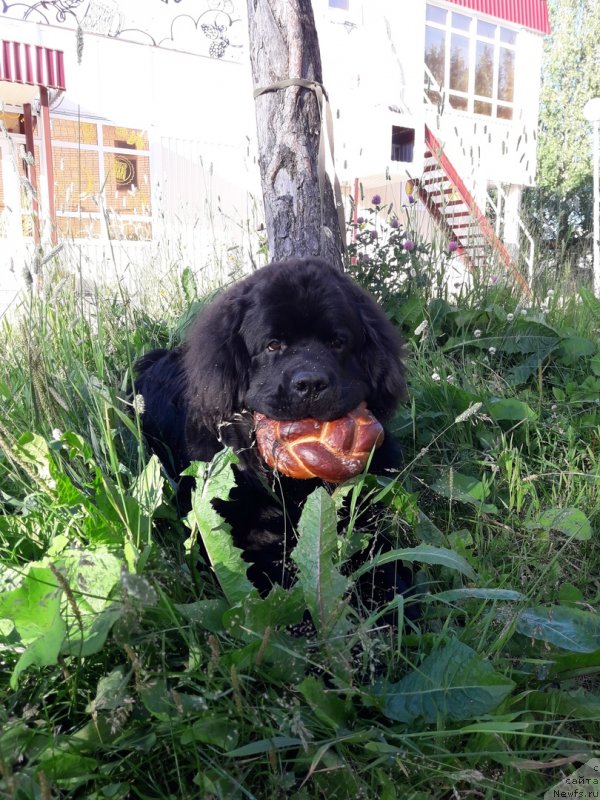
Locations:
column 295, row 339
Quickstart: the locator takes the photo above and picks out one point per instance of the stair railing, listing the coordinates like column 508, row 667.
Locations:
column 498, row 207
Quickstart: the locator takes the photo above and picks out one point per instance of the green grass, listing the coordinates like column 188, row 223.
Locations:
column 131, row 670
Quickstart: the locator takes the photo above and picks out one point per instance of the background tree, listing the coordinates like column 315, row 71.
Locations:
column 560, row 207
column 300, row 210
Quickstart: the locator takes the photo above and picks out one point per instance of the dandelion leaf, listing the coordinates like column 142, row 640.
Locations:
column 315, row 554
column 215, row 480
column 452, row 683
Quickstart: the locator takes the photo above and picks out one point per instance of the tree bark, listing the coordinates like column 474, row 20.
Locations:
column 300, row 210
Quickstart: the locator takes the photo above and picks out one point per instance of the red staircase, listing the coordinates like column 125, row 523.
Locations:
column 451, row 205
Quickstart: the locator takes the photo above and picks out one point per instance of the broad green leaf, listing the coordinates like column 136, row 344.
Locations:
column 44, row 650
column 282, row 655
column 573, row 348
column 452, row 683
column 255, row 614
column 208, row 614
column 77, row 446
column 110, row 691
column 457, row 486
column 568, row 628
column 34, row 608
column 215, row 480
column 188, row 284
column 218, row 732
column 34, row 450
column 528, row 336
column 65, row 609
column 570, row 595
column 147, row 488
column 69, row 770
column 570, row 521
column 574, row 663
column 166, row 703
column 510, row 410
column 423, row 553
column 91, row 638
column 35, row 605
column 326, row 705
column 322, row 583
column 91, row 576
column 427, row 531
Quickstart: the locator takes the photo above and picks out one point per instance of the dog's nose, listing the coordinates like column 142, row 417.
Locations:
column 307, row 384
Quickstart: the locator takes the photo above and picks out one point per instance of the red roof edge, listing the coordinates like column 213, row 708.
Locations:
column 532, row 14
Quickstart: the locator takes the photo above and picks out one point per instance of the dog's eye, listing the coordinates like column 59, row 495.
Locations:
column 274, row 345
column 337, row 343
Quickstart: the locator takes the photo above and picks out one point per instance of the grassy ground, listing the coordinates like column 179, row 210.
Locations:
column 131, row 670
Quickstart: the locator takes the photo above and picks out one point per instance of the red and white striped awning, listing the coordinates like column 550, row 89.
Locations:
column 25, row 67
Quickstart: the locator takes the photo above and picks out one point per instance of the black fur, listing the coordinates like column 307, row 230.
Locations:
column 295, row 339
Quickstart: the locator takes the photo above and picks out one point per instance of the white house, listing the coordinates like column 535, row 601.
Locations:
column 139, row 119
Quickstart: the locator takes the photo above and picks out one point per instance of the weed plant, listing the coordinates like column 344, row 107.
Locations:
column 136, row 664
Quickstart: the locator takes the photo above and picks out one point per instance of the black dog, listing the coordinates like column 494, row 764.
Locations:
column 295, row 339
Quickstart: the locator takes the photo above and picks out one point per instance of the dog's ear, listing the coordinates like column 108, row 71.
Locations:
column 381, row 354
column 217, row 363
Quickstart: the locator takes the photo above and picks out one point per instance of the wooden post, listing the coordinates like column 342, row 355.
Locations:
column 30, row 170
column 47, row 150
column 300, row 209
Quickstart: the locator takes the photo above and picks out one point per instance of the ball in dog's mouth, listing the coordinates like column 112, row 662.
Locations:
column 333, row 450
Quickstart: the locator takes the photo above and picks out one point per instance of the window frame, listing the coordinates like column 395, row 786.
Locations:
column 144, row 216
column 497, row 43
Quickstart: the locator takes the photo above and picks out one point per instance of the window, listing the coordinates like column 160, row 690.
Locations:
column 473, row 60
column 403, row 143
column 125, row 167
column 92, row 159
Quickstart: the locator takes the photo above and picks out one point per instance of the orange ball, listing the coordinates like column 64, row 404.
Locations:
column 332, row 450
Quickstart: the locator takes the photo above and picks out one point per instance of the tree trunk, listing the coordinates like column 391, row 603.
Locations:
column 300, row 210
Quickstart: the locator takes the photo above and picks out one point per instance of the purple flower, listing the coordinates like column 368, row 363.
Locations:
column 376, row 200
column 452, row 247
column 408, row 245
column 373, row 234
column 367, row 259
column 395, row 223
column 360, row 220
column 411, row 199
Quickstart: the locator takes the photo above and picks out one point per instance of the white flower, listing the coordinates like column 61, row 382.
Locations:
column 139, row 404
column 524, row 312
column 477, row 333
column 421, row 328
column 435, row 377
column 550, row 292
column 492, row 351
column 56, row 434
column 510, row 317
